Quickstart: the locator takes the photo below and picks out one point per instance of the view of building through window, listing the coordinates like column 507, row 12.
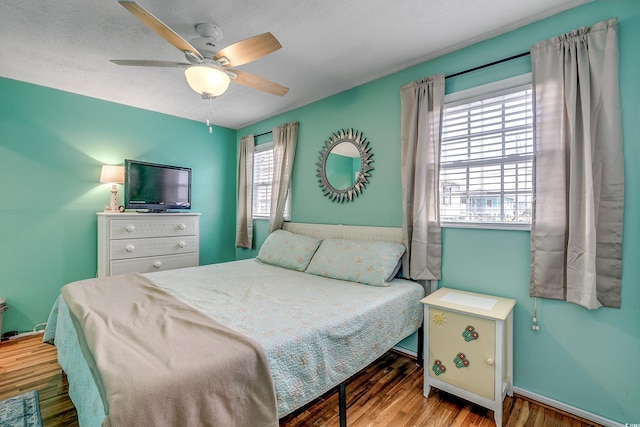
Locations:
column 486, row 159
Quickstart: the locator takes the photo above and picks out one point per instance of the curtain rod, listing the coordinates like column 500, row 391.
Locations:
column 500, row 61
column 262, row 134
column 459, row 73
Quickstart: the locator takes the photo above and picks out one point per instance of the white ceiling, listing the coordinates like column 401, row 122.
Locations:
column 328, row 46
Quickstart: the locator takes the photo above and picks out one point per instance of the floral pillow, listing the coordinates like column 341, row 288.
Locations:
column 368, row 262
column 288, row 250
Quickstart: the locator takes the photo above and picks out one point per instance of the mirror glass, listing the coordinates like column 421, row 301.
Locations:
column 344, row 165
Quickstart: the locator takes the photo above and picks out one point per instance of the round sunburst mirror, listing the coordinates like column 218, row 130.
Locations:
column 344, row 165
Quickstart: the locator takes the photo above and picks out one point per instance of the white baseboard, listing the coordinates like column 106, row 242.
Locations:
column 405, row 351
column 567, row 408
column 26, row 334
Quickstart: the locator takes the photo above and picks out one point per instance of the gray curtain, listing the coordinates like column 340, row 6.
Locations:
column 244, row 199
column 421, row 127
column 576, row 231
column 285, row 139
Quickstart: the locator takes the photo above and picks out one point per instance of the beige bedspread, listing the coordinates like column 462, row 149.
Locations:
column 157, row 361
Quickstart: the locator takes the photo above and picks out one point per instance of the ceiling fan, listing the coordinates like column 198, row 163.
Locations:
column 208, row 71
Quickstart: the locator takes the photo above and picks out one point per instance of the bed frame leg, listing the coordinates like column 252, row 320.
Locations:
column 342, row 403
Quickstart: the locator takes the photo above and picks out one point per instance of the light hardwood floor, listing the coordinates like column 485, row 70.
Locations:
column 387, row 393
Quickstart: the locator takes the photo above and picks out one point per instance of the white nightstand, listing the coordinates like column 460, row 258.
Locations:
column 468, row 346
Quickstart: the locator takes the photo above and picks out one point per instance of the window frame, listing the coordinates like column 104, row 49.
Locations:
column 470, row 95
column 259, row 150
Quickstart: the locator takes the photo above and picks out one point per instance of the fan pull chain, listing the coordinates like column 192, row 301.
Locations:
column 211, row 115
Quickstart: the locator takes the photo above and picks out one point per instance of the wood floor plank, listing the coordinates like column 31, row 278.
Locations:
column 388, row 393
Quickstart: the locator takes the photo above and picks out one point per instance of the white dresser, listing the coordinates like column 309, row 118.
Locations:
column 146, row 242
column 468, row 346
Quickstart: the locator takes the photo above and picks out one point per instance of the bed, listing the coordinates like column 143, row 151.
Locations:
column 321, row 314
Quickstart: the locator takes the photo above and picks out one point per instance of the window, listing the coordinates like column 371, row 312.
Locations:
column 262, row 179
column 486, row 155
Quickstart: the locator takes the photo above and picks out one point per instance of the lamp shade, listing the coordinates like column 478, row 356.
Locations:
column 207, row 80
column 112, row 174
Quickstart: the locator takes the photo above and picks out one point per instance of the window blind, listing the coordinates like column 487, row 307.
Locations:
column 262, row 177
column 262, row 181
column 486, row 159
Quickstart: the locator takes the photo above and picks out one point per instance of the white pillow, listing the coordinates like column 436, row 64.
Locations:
column 363, row 261
column 288, row 250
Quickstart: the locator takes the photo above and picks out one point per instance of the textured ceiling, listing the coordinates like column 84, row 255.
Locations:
column 328, row 46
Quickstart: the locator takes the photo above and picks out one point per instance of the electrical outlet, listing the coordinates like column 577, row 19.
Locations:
column 534, row 325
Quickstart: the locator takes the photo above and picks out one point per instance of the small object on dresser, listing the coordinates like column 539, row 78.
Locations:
column 112, row 174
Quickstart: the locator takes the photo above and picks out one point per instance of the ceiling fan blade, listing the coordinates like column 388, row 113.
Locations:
column 257, row 82
column 248, row 50
column 145, row 63
column 159, row 27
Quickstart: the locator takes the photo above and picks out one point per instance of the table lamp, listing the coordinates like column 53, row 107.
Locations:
column 114, row 175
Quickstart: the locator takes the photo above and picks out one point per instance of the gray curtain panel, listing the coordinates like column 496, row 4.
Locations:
column 421, row 128
column 576, row 231
column 244, row 199
column 285, row 139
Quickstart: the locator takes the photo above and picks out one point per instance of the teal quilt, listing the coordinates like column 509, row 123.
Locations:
column 316, row 331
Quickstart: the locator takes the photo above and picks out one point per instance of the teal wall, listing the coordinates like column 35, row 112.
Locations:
column 587, row 359
column 52, row 146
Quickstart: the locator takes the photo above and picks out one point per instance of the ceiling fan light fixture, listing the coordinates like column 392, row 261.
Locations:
column 207, row 80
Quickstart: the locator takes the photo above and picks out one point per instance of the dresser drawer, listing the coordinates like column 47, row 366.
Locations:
column 133, row 228
column 138, row 248
column 150, row 264
column 146, row 242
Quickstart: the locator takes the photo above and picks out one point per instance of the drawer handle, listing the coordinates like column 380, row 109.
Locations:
column 490, row 361
column 130, row 228
column 182, row 227
column 129, row 248
column 157, row 264
column 182, row 244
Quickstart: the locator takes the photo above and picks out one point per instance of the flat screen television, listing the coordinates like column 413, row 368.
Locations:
column 156, row 187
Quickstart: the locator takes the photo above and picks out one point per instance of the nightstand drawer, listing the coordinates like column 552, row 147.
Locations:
column 137, row 248
column 150, row 264
column 133, row 228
